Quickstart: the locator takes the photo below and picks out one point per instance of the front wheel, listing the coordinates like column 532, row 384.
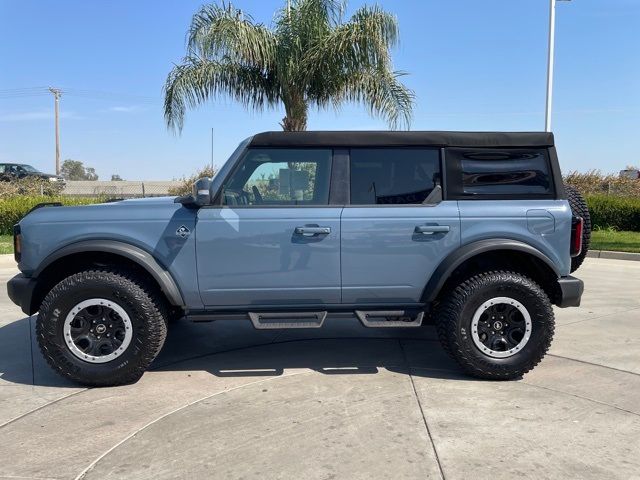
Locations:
column 496, row 325
column 101, row 327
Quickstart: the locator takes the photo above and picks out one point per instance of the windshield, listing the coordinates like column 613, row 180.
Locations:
column 28, row 168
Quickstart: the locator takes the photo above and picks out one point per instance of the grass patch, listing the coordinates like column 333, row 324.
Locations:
column 617, row 241
column 6, row 244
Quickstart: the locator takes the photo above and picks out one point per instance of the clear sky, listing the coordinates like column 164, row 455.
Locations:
column 474, row 65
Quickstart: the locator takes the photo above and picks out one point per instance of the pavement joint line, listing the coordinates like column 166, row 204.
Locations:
column 597, row 317
column 593, row 364
column 424, row 418
column 176, row 410
column 20, row 417
column 195, row 358
column 589, row 399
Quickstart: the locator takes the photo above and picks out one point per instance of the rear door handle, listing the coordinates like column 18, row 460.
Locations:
column 431, row 229
column 311, row 231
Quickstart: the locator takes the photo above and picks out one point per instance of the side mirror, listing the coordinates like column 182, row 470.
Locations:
column 200, row 194
column 202, row 191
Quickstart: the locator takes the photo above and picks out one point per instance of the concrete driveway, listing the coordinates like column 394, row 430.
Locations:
column 226, row 401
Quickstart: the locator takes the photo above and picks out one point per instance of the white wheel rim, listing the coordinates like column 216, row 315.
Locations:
column 476, row 327
column 102, row 326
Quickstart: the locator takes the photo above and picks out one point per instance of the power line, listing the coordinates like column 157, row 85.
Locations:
column 80, row 93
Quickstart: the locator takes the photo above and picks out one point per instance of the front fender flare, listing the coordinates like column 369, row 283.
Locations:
column 136, row 254
column 465, row 252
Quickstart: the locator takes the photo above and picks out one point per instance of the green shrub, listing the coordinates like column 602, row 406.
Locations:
column 187, row 183
column 594, row 182
column 12, row 209
column 29, row 186
column 620, row 213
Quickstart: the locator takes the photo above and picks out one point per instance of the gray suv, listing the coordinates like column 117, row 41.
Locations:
column 474, row 232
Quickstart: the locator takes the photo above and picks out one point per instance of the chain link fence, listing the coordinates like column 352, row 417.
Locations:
column 119, row 189
column 90, row 189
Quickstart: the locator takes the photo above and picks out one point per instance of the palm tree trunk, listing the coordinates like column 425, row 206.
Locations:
column 290, row 124
column 296, row 116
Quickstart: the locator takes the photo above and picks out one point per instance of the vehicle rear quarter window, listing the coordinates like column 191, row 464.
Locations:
column 498, row 173
column 393, row 176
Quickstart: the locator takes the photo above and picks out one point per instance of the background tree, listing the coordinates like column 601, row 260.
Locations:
column 75, row 170
column 310, row 57
column 116, row 178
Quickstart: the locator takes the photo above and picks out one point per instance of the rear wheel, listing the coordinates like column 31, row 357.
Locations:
column 496, row 325
column 101, row 327
column 579, row 208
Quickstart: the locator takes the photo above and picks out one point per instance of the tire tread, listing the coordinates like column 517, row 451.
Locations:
column 447, row 322
column 146, row 297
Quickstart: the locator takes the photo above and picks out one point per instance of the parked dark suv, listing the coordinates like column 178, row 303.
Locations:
column 11, row 171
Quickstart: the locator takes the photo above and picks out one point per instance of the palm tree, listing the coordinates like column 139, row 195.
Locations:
column 309, row 58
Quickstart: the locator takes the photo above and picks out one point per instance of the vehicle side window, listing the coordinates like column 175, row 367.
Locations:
column 393, row 175
column 274, row 176
column 516, row 172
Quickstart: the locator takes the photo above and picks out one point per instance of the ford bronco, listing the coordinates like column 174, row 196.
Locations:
column 474, row 232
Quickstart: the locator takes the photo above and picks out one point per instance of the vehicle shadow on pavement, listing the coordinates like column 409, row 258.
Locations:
column 235, row 349
column 344, row 348
column 20, row 359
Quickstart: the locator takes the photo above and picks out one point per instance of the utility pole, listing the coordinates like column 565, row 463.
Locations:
column 56, row 95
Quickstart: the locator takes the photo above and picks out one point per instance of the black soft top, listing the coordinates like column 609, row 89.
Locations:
column 397, row 139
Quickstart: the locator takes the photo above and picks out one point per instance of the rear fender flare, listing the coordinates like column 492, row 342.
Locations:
column 464, row 253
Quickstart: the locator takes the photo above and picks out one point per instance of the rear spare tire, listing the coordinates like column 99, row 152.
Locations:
column 579, row 209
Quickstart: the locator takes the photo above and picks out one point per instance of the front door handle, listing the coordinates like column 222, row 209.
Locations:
column 311, row 231
column 431, row 229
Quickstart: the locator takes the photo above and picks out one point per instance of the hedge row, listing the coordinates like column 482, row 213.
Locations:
column 29, row 187
column 595, row 182
column 12, row 209
column 620, row 213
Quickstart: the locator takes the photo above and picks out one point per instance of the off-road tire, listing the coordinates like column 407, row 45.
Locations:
column 456, row 310
column 579, row 209
column 141, row 302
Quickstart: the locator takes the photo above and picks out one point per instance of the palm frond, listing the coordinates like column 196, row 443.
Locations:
column 382, row 93
column 198, row 80
column 362, row 43
column 225, row 31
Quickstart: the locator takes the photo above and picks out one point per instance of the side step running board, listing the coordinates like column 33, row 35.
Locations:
column 266, row 320
column 390, row 318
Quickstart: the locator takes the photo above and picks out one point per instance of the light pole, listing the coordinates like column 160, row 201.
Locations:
column 550, row 54
column 212, row 150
